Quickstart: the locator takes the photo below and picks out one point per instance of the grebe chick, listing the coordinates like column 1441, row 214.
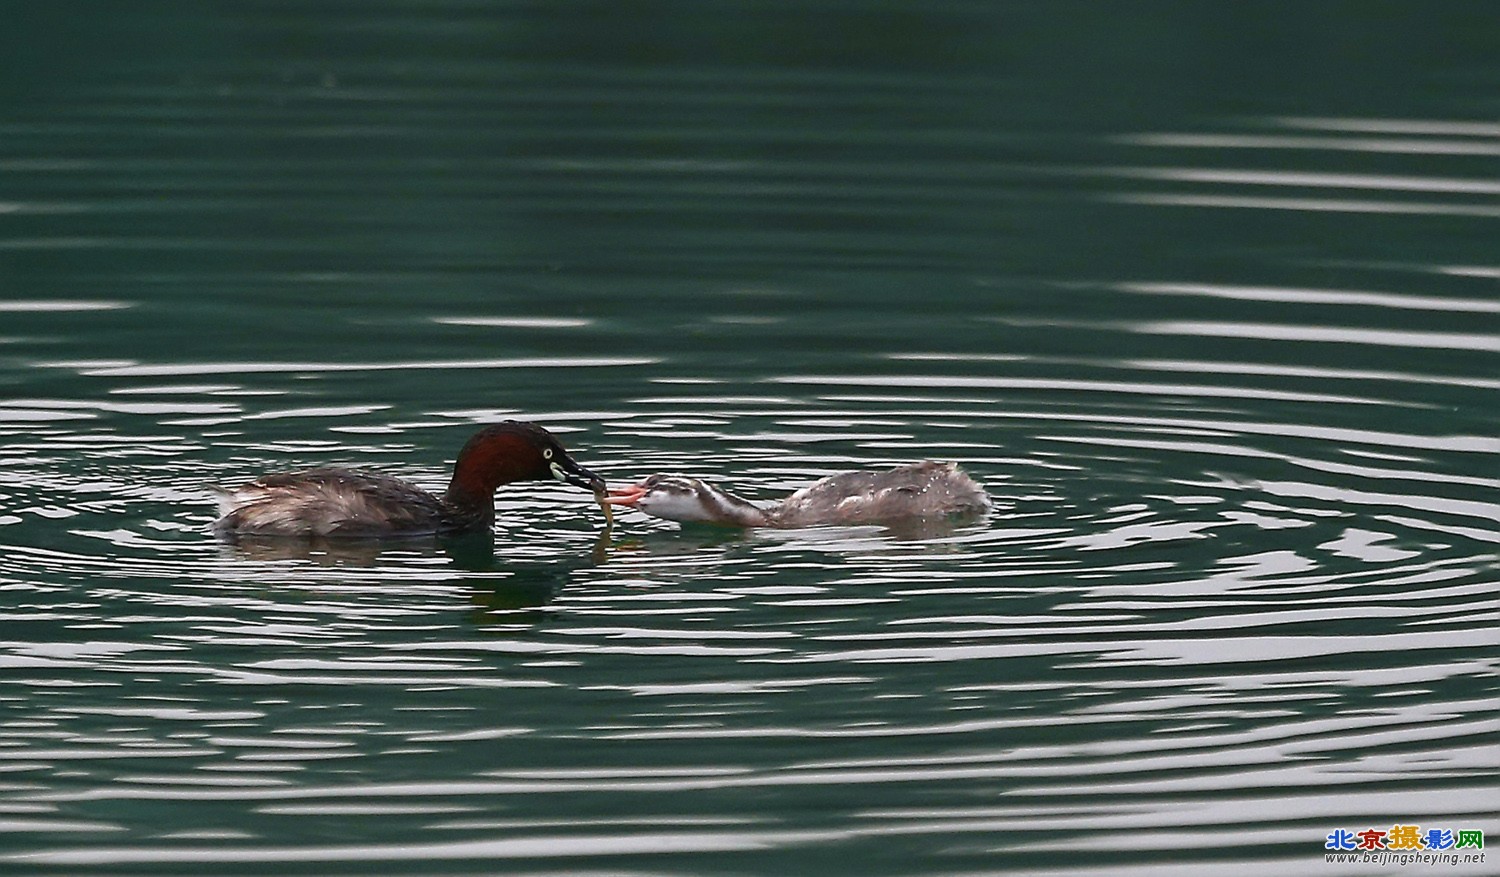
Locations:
column 918, row 490
column 330, row 502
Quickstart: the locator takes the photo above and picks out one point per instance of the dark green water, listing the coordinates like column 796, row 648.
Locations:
column 1205, row 294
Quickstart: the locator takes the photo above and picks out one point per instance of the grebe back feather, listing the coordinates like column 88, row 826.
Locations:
column 333, row 502
column 917, row 490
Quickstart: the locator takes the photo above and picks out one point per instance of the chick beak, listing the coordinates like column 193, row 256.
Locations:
column 626, row 496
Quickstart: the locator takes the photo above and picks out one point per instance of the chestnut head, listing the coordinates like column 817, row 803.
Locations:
column 517, row 451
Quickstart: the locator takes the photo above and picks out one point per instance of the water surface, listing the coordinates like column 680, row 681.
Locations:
column 1206, row 298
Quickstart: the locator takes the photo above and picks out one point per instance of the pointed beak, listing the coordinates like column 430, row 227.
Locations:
column 626, row 496
column 569, row 472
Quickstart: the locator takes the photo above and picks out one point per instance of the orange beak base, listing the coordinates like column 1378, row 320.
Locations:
column 626, row 496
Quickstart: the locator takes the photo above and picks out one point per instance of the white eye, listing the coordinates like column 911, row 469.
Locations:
column 546, row 453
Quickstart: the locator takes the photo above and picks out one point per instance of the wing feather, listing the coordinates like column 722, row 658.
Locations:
column 329, row 502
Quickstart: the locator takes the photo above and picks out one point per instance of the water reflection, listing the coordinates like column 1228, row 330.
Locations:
column 1230, row 375
column 469, row 552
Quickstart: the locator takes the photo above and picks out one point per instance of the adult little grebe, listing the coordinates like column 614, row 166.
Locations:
column 918, row 490
column 345, row 503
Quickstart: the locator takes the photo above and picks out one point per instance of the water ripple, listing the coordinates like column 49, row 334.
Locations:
column 1237, row 590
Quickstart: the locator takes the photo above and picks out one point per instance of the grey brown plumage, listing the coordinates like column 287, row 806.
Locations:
column 334, row 502
column 918, row 490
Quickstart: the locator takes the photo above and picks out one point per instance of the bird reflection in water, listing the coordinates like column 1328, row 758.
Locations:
column 524, row 587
